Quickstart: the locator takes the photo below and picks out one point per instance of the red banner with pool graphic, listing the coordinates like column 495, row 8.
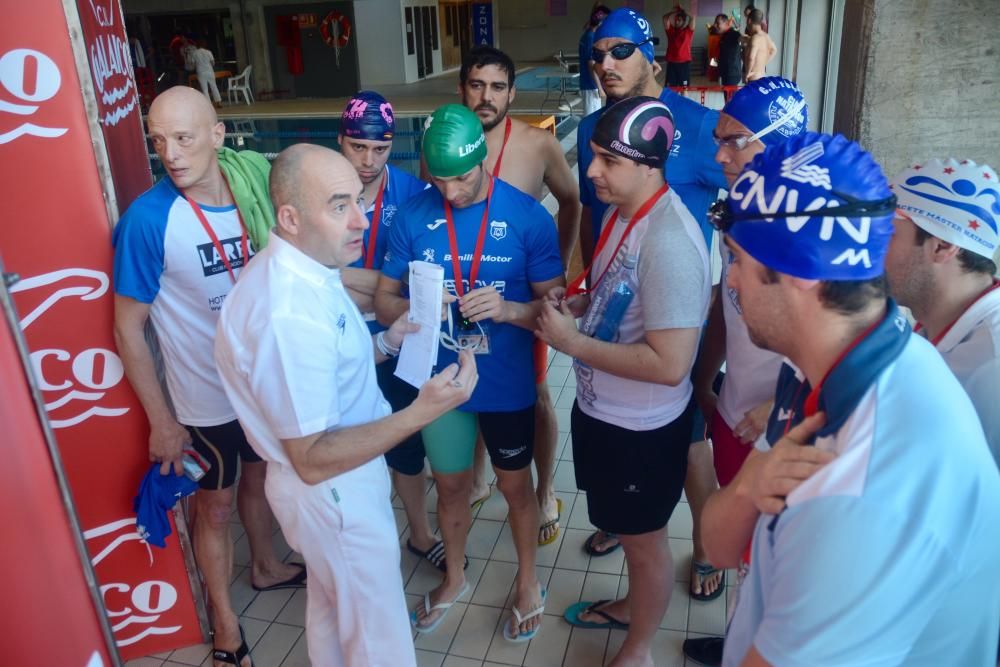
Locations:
column 56, row 236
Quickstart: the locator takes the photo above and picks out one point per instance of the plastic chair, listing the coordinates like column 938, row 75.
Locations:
column 240, row 84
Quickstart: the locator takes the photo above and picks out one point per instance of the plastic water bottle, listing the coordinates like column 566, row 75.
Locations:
column 625, row 288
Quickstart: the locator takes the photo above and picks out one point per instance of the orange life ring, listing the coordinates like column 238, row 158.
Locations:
column 345, row 30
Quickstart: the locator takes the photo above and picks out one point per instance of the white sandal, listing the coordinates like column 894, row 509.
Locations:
column 522, row 637
column 428, row 610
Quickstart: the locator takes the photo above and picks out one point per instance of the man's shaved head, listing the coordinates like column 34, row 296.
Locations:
column 186, row 134
column 290, row 172
column 316, row 195
column 186, row 101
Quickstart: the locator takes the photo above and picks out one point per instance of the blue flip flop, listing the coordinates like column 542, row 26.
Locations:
column 428, row 610
column 572, row 616
column 518, row 619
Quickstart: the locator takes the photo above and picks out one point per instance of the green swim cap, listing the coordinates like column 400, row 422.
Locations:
column 454, row 141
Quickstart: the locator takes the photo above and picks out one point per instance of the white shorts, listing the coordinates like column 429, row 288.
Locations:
column 344, row 528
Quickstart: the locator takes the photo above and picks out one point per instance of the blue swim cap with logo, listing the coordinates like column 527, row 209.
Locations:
column 773, row 108
column 792, row 182
column 368, row 116
column 630, row 25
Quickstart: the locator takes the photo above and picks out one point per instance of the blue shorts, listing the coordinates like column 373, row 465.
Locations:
column 407, row 457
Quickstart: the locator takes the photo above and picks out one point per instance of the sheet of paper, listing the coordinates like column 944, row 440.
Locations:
column 419, row 352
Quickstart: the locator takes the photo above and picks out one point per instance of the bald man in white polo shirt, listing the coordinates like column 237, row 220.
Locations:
column 298, row 363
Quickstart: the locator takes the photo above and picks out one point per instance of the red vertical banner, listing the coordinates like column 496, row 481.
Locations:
column 46, row 586
column 57, row 237
column 117, row 97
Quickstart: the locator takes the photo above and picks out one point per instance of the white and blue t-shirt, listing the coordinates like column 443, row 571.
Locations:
column 691, row 168
column 888, row 555
column 400, row 187
column 164, row 257
column 521, row 247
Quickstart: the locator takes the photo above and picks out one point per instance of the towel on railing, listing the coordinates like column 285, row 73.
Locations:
column 247, row 173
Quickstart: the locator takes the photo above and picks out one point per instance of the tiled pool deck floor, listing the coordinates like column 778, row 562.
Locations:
column 472, row 634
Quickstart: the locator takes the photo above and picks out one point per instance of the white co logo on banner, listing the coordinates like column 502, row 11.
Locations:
column 150, row 599
column 29, row 76
column 96, row 369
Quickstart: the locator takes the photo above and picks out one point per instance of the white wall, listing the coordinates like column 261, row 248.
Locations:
column 380, row 54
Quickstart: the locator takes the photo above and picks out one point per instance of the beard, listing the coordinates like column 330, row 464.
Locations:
column 500, row 115
column 636, row 90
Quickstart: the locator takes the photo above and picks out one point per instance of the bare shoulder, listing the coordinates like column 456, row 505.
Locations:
column 538, row 137
column 525, row 129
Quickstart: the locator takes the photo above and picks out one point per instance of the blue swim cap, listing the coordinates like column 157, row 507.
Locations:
column 772, row 108
column 368, row 116
column 627, row 24
column 808, row 173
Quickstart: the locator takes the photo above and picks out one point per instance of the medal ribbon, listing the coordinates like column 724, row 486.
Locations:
column 575, row 285
column 244, row 244
column 453, row 243
column 503, row 147
column 376, row 218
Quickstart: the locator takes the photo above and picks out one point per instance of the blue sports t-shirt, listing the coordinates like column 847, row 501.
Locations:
column 887, row 555
column 521, row 247
column 587, row 81
column 400, row 187
column 691, row 168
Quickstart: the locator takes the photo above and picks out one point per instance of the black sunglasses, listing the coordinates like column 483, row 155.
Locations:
column 620, row 51
column 723, row 219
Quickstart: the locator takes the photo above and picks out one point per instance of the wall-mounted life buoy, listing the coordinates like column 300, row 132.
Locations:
column 340, row 40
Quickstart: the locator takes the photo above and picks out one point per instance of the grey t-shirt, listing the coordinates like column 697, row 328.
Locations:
column 674, row 289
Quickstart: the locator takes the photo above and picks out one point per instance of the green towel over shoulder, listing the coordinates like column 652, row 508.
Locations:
column 247, row 173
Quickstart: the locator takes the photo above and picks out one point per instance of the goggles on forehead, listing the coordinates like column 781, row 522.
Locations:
column 723, row 219
column 620, row 51
column 740, row 142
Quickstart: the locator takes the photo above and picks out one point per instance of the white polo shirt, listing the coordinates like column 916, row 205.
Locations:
column 294, row 353
column 971, row 348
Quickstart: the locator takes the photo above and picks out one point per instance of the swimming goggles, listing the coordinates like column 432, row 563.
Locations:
column 473, row 337
column 620, row 51
column 723, row 219
column 738, row 143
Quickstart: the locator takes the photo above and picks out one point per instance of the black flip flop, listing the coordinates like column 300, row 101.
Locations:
column 234, row 657
column 703, row 571
column 434, row 555
column 572, row 616
column 588, row 546
column 297, row 581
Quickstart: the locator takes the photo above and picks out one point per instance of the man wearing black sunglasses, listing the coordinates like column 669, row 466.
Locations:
column 623, row 57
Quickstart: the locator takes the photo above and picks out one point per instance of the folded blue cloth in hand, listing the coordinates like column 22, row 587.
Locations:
column 157, row 496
